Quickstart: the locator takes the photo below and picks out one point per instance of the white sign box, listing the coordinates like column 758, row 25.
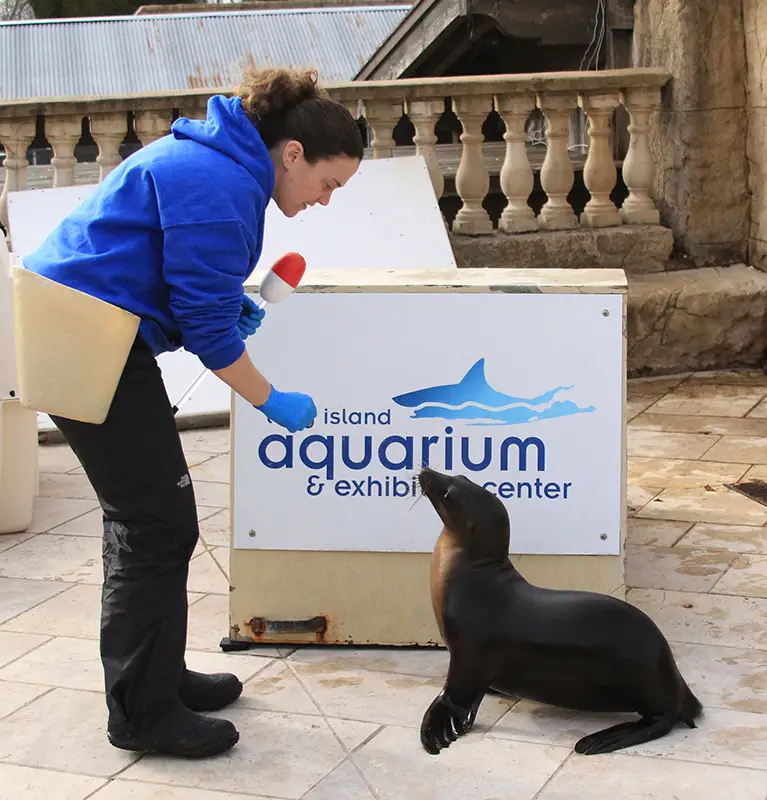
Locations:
column 521, row 392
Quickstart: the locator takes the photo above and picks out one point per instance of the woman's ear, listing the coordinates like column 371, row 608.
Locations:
column 292, row 153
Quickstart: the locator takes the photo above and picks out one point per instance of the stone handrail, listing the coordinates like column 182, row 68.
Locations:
column 557, row 98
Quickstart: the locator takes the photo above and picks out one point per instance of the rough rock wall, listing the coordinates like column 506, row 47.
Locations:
column 755, row 23
column 699, row 145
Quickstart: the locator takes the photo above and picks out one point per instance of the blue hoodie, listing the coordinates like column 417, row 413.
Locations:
column 172, row 233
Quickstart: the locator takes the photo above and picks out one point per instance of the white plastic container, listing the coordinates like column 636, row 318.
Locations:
column 19, row 469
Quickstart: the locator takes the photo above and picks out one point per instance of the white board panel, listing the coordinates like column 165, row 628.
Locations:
column 526, row 387
column 386, row 217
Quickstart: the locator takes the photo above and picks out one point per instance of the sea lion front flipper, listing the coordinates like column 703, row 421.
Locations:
column 453, row 711
column 626, row 734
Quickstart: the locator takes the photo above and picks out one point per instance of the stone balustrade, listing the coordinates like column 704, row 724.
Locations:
column 539, row 129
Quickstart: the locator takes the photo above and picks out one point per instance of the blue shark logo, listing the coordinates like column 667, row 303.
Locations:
column 472, row 398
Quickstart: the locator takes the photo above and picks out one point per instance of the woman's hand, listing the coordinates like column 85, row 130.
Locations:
column 250, row 317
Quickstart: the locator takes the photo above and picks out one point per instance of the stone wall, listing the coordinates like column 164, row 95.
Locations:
column 755, row 23
column 701, row 185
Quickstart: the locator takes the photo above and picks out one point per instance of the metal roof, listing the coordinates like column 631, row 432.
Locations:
column 172, row 52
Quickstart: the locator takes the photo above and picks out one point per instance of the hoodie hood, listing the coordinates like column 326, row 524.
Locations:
column 228, row 130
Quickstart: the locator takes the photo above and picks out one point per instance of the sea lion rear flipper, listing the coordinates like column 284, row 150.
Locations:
column 624, row 735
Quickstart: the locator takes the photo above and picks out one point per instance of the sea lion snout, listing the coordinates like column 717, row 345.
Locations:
column 475, row 516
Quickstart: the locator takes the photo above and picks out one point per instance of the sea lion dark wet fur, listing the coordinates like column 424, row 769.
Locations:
column 572, row 649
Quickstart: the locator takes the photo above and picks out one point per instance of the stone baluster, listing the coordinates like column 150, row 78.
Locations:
column 63, row 133
column 557, row 172
column 381, row 117
column 516, row 174
column 108, row 129
column 638, row 169
column 152, row 125
column 16, row 136
column 472, row 180
column 599, row 173
column 424, row 114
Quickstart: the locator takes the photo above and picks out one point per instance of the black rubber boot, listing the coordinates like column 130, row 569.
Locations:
column 199, row 692
column 178, row 732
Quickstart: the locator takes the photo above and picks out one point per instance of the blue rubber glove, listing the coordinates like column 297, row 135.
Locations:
column 250, row 317
column 292, row 410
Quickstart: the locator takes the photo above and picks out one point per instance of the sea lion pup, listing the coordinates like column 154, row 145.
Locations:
column 573, row 649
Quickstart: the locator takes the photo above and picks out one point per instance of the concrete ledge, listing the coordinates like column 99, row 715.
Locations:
column 697, row 319
column 634, row 248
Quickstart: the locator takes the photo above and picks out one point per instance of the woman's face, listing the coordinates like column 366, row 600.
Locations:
column 298, row 184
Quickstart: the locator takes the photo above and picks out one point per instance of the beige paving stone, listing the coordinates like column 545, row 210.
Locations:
column 276, row 688
column 733, row 538
column 14, row 696
column 14, row 645
column 51, row 557
column 63, row 730
column 323, row 661
column 674, row 473
column 739, row 449
column 52, row 511
column 131, row 790
column 616, row 775
column 211, row 495
column 343, row 783
column 637, row 497
column 710, row 400
column 221, row 556
column 747, row 577
column 206, row 577
column 75, row 612
column 216, row 469
column 385, row 698
column 8, row 540
column 281, row 755
column 214, row 529
column 636, row 405
column 757, row 473
column 660, row 444
column 680, row 423
column 206, row 440
column 28, row 783
column 56, row 458
column 19, row 596
column 90, row 524
column 63, row 662
column 724, row 677
column 196, row 457
column 68, row 485
column 722, row 736
column 472, row 767
column 678, row 568
column 351, row 732
column 713, row 619
column 55, row 608
column 759, row 411
column 720, row 505
column 658, row 532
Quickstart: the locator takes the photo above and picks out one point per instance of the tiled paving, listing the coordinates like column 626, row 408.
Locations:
column 343, row 725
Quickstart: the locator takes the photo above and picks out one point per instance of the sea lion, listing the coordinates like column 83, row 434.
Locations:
column 573, row 649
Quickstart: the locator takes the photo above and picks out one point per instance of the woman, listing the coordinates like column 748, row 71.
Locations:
column 171, row 235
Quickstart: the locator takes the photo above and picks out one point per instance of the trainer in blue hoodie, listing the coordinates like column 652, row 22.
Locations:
column 171, row 235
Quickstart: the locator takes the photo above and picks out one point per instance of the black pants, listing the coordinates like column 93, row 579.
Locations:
column 137, row 467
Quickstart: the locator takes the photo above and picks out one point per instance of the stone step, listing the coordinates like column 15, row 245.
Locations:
column 636, row 249
column 697, row 319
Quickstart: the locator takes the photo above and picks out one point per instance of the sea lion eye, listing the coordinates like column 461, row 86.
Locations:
column 447, row 492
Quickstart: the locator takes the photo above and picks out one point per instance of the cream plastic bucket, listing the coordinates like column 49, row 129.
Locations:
column 71, row 347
